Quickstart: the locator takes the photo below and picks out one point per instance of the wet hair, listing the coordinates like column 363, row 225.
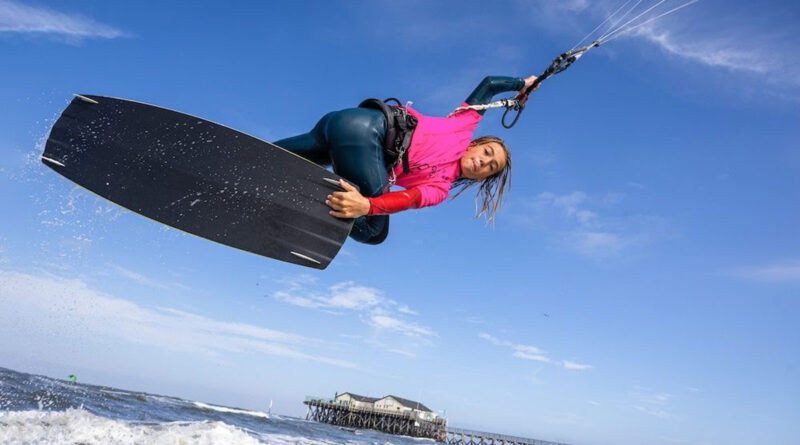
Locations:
column 491, row 189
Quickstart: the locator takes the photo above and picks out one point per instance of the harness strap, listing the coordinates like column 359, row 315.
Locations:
column 399, row 129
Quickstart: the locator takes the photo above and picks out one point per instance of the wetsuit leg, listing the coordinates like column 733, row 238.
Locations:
column 355, row 140
column 355, row 144
column 352, row 141
column 309, row 145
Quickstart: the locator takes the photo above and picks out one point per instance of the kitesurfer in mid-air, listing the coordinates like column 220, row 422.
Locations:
column 427, row 156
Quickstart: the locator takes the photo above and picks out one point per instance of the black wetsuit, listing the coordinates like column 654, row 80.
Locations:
column 351, row 141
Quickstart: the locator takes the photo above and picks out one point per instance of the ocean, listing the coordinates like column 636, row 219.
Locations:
column 36, row 409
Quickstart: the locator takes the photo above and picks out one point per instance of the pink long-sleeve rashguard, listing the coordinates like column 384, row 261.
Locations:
column 433, row 156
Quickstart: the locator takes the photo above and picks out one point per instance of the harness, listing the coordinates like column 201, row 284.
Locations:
column 400, row 127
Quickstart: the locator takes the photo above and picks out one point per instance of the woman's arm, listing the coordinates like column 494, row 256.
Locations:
column 394, row 202
column 492, row 85
column 352, row 204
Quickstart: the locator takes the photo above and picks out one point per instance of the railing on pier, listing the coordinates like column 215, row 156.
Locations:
column 458, row 436
column 364, row 409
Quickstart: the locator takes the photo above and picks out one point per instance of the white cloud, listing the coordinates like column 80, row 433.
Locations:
column 494, row 339
column 475, row 320
column 747, row 39
column 785, row 272
column 406, row 310
column 385, row 322
column 708, row 52
column 593, row 244
column 287, row 297
column 650, row 397
column 525, row 349
column 575, row 366
column 533, row 353
column 574, row 223
column 18, row 18
column 529, row 356
column 386, row 317
column 747, row 42
column 350, row 296
column 527, row 352
column 570, row 5
column 635, row 185
column 570, row 205
column 407, row 348
column 295, row 282
column 404, row 353
column 144, row 280
column 651, row 402
column 70, row 308
column 657, row 412
column 346, row 295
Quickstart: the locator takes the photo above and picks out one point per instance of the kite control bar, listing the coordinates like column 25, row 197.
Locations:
column 565, row 60
column 558, row 65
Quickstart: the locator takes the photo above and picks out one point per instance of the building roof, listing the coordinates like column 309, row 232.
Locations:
column 360, row 398
column 410, row 403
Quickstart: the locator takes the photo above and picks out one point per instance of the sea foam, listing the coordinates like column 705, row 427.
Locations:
column 80, row 426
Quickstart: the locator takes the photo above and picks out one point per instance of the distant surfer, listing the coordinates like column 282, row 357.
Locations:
column 428, row 156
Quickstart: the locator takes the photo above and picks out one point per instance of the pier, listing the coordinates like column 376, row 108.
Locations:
column 407, row 423
column 457, row 436
column 383, row 420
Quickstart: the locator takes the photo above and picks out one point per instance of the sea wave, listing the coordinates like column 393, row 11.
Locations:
column 40, row 410
column 76, row 425
column 224, row 409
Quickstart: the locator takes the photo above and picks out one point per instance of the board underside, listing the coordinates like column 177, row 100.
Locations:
column 199, row 177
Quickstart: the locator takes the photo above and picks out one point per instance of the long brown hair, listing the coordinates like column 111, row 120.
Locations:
column 491, row 189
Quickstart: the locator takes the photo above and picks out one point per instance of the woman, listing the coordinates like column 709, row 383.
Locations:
column 441, row 157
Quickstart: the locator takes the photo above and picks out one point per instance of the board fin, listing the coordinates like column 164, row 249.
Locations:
column 305, row 257
column 86, row 99
column 52, row 161
column 332, row 181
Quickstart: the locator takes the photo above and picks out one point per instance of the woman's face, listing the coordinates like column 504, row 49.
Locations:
column 483, row 160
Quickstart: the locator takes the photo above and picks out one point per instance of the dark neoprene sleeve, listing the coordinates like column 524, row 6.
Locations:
column 492, row 85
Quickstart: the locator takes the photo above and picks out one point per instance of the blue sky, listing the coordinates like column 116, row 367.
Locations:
column 641, row 285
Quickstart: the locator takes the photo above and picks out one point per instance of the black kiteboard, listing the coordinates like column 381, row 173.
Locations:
column 199, row 177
